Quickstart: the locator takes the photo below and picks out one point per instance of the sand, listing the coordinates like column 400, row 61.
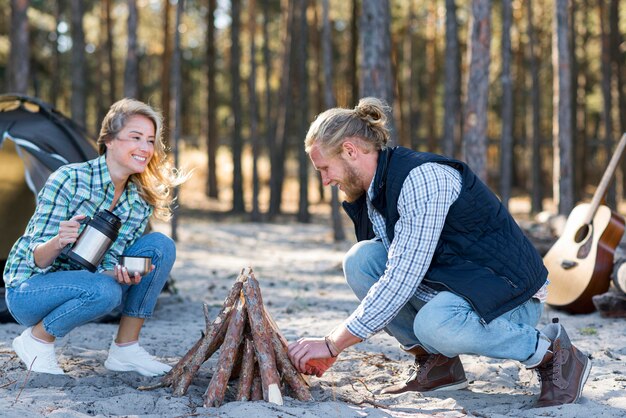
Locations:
column 299, row 268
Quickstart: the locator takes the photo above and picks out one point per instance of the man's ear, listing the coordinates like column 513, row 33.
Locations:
column 350, row 149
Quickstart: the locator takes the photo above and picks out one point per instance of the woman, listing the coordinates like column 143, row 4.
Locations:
column 131, row 178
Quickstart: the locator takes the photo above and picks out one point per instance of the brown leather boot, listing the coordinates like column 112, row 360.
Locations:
column 431, row 372
column 563, row 370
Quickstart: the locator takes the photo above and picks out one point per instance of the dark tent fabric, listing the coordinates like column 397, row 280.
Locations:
column 35, row 140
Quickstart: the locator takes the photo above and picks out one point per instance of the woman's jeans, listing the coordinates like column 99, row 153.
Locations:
column 67, row 299
column 447, row 324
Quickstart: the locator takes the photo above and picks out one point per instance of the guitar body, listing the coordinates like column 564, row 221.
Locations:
column 580, row 263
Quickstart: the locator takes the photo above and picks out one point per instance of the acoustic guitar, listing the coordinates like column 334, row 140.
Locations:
column 580, row 262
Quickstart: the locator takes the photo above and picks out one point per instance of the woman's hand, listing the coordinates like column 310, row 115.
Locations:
column 123, row 276
column 68, row 231
column 311, row 356
column 45, row 254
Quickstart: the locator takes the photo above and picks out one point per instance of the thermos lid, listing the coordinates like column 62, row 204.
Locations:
column 109, row 218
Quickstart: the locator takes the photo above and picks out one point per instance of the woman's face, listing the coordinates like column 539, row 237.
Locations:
column 131, row 150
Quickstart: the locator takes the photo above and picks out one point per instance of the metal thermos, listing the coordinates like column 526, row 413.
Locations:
column 99, row 234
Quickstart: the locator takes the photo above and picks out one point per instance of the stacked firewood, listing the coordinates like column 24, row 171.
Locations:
column 252, row 347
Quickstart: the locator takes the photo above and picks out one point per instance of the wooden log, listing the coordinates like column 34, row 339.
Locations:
column 183, row 373
column 216, row 390
column 262, row 343
column 247, row 370
column 293, row 378
column 256, row 393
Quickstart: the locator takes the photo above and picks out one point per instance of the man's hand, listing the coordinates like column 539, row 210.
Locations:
column 311, row 356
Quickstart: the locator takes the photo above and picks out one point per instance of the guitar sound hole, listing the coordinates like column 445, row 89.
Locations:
column 581, row 234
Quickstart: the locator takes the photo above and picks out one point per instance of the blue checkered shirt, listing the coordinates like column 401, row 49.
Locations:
column 82, row 188
column 427, row 193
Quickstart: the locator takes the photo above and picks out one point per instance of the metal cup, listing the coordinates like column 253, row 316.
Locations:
column 136, row 264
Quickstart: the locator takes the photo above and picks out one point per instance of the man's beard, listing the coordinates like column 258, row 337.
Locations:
column 351, row 185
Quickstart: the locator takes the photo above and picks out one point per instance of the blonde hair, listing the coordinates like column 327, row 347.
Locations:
column 160, row 176
column 367, row 121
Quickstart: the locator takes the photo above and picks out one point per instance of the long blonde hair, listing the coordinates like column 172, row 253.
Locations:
column 367, row 121
column 160, row 176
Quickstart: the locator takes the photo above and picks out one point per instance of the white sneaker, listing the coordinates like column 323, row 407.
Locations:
column 37, row 356
column 133, row 358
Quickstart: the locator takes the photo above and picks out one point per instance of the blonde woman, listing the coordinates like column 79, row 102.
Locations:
column 45, row 292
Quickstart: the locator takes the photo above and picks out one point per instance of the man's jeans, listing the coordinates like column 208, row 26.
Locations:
column 447, row 324
column 67, row 299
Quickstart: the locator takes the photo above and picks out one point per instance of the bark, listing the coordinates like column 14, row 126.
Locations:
column 212, row 131
column 182, row 374
column 247, row 371
column 506, row 142
column 433, row 75
column 131, row 70
column 562, row 179
column 262, row 342
column 289, row 373
column 18, row 67
column 214, row 395
column 165, row 70
column 279, row 144
column 301, row 96
column 376, row 78
column 452, row 86
column 79, row 88
column 475, row 115
column 607, row 75
column 255, row 215
column 235, row 88
column 55, row 85
column 109, row 51
column 354, row 48
column 256, row 393
column 534, row 133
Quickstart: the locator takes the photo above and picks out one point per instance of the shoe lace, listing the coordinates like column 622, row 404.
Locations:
column 420, row 363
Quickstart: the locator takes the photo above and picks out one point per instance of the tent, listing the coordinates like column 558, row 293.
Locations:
column 35, row 140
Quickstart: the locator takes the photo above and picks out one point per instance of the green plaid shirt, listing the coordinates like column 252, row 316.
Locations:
column 82, row 188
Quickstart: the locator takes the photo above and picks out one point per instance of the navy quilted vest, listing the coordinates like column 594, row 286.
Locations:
column 482, row 254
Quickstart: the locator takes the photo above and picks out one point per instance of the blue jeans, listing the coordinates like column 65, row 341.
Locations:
column 64, row 300
column 447, row 324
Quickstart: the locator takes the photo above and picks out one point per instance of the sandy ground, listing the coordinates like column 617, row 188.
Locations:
column 299, row 268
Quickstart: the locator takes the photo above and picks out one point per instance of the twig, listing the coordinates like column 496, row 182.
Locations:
column 25, row 381
column 7, row 384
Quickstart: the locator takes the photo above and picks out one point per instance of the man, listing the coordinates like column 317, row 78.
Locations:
column 440, row 264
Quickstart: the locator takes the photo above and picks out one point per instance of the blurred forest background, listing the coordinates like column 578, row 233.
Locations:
column 529, row 92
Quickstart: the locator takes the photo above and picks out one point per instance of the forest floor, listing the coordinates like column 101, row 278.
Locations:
column 299, row 269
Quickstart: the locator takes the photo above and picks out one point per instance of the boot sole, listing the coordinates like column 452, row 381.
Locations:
column 584, row 379
column 454, row 386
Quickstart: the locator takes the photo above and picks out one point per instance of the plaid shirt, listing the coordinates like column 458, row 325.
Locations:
column 427, row 193
column 82, row 188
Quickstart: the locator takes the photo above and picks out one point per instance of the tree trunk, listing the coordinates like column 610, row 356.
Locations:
column 270, row 119
column 607, row 76
column 506, row 144
column 562, row 179
column 536, row 202
column 235, row 88
column 19, row 58
column 452, row 86
column 165, row 70
column 301, row 96
column 618, row 58
column 131, row 70
column 255, row 215
column 376, row 76
column 475, row 124
column 109, row 49
column 176, row 108
column 433, row 76
column 212, row 131
column 330, row 102
column 55, row 85
column 279, row 146
column 354, row 48
column 78, row 73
